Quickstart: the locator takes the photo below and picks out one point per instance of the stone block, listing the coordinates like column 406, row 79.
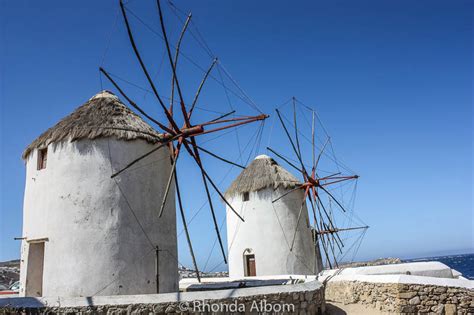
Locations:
column 450, row 309
column 407, row 295
column 415, row 300
column 438, row 309
column 440, row 289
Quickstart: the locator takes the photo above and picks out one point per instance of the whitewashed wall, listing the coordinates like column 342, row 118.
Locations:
column 95, row 245
column 268, row 230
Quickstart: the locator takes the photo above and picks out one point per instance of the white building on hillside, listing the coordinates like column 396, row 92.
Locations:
column 87, row 234
column 260, row 246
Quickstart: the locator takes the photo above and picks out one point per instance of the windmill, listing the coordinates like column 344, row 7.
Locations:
column 181, row 138
column 317, row 188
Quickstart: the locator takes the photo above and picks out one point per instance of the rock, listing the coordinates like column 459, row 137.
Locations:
column 296, row 296
column 441, row 290
column 407, row 295
column 408, row 309
column 438, row 309
column 414, row 301
column 450, row 309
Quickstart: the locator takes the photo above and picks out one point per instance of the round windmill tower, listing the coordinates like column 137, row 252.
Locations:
column 266, row 242
column 85, row 233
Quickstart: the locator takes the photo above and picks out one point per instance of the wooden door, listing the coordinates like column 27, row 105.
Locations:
column 251, row 268
column 34, row 270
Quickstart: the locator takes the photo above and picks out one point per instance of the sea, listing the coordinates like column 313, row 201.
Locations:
column 462, row 263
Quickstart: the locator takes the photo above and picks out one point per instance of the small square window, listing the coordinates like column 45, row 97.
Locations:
column 42, row 158
column 245, row 196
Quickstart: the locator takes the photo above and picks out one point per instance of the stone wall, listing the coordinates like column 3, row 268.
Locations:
column 305, row 298
column 402, row 298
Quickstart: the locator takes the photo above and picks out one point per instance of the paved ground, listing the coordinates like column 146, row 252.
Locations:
column 341, row 309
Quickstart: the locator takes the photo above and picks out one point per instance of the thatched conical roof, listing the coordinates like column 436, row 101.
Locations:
column 262, row 173
column 104, row 115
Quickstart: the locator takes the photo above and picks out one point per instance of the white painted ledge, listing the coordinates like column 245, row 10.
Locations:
column 428, row 269
column 29, row 302
column 406, row 279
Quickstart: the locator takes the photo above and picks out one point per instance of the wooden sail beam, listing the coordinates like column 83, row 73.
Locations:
column 174, row 162
column 303, row 170
column 144, row 69
column 320, row 154
column 212, row 182
column 134, row 105
column 284, row 159
column 288, row 192
column 170, row 57
column 198, row 92
column 219, row 157
column 145, row 155
column 337, row 230
column 296, row 128
column 197, row 158
column 333, row 198
column 176, row 56
column 342, row 179
column 244, row 122
column 185, row 225
column 299, row 219
column 224, row 115
column 186, row 135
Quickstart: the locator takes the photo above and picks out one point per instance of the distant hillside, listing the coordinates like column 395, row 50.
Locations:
column 9, row 272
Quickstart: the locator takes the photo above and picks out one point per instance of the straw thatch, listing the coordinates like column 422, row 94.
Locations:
column 104, row 115
column 263, row 172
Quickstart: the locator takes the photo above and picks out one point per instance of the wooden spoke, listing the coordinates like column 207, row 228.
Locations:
column 176, row 56
column 197, row 158
column 316, row 197
column 303, row 170
column 200, row 88
column 168, row 50
column 212, row 182
column 287, row 193
column 326, row 252
column 296, row 129
column 174, row 161
column 329, row 176
column 163, row 127
column 331, row 224
column 144, row 69
column 341, row 179
column 185, row 225
column 244, row 122
column 284, row 159
column 299, row 218
column 218, row 157
column 330, row 195
column 145, row 155
column 337, row 230
column 222, row 116
column 321, row 153
column 313, row 146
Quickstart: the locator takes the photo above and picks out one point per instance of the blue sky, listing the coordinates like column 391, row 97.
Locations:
column 391, row 80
